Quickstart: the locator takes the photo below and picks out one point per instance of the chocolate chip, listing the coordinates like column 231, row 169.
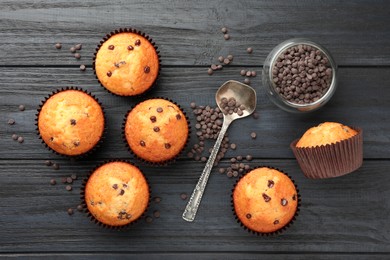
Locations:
column 239, row 158
column 70, row 211
column 63, row 180
column 115, row 186
column 149, row 219
column 77, row 55
column 122, row 192
column 53, row 182
column 80, row 207
column 147, row 69
column 270, row 183
column 226, row 61
column 229, row 174
column 48, row 163
column 266, row 197
column 58, row 46
column 294, row 197
column 253, row 73
column 235, row 173
column 68, row 187
column 111, row 47
column 156, row 214
column 109, row 73
column 276, row 222
column 22, row 107
column 137, row 42
column 153, row 119
column 15, row 137
column 210, row 71
column 253, row 135
column 230, row 57
column 226, row 36
column 56, row 166
column 203, row 159
column 157, row 200
column 222, row 170
column 224, row 30
column 248, row 216
column 183, row 196
column 193, row 105
column 142, row 143
column 243, row 72
column 255, row 115
column 73, row 176
column 221, row 58
column 130, row 48
column 178, row 116
column 69, row 180
column 284, row 202
column 78, row 46
column 249, row 50
column 83, row 67
column 233, row 146
column 167, row 146
column 11, row 121
column 73, row 122
column 247, row 81
column 72, row 49
column 159, row 109
column 249, row 157
column 128, row 216
column 20, row 139
column 156, row 129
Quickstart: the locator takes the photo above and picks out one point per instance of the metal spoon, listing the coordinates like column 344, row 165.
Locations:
column 244, row 95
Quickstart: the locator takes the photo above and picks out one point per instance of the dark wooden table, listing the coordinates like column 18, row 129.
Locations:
column 346, row 217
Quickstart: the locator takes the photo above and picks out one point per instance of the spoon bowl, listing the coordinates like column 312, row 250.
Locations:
column 243, row 95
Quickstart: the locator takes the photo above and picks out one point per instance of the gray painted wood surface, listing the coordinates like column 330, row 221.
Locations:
column 343, row 218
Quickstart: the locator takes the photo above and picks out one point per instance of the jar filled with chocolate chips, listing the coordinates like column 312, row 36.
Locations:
column 299, row 75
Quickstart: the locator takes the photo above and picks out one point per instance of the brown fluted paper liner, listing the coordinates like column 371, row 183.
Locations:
column 331, row 160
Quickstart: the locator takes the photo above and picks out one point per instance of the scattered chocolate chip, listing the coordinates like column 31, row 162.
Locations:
column 167, row 146
column 142, row 143
column 233, row 146
column 56, row 166
column 15, row 137
column 157, row 200
column 210, row 71
column 193, row 105
column 53, row 182
column 294, row 197
column 224, row 30
column 58, row 46
column 148, row 219
column 72, row 49
column 221, row 58
column 284, row 202
column 183, row 196
column 147, row 69
column 73, row 122
column 222, row 170
column 230, row 57
column 156, row 129
column 249, row 50
column 249, row 157
column 159, row 109
column 48, row 163
column 77, row 55
column 78, row 46
column 229, row 174
column 270, row 183
column 243, row 72
column 83, row 67
column 69, row 180
column 122, row 192
column 22, row 107
column 111, row 47
column 80, row 207
column 247, row 81
column 73, row 176
column 68, row 187
column 203, row 159
column 130, row 48
column 235, row 173
column 276, row 222
column 253, row 135
column 109, row 73
column 253, row 73
column 226, row 36
column 248, row 216
column 11, row 121
column 156, row 214
column 255, row 115
column 20, row 139
column 137, row 42
column 266, row 197
column 70, row 211
column 226, row 61
column 63, row 180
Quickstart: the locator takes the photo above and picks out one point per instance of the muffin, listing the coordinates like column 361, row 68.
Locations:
column 127, row 63
column 265, row 200
column 156, row 130
column 71, row 122
column 329, row 150
column 116, row 194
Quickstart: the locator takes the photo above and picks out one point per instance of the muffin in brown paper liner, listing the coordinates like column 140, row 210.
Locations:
column 93, row 148
column 282, row 228
column 118, row 64
column 96, row 220
column 331, row 160
column 162, row 162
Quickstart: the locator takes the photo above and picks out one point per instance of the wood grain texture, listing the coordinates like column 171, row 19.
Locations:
column 361, row 94
column 337, row 215
column 188, row 32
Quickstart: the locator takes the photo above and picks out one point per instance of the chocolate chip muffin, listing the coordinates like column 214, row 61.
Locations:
column 127, row 63
column 116, row 194
column 71, row 122
column 265, row 200
column 329, row 150
column 156, row 130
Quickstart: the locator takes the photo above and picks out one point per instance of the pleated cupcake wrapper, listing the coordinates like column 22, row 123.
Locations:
column 144, row 35
column 95, row 220
column 276, row 232
column 162, row 163
column 93, row 149
column 331, row 160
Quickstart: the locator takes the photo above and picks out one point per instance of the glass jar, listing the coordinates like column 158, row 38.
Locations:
column 270, row 87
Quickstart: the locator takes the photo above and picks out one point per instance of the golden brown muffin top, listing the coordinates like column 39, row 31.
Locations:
column 156, row 130
column 117, row 193
column 265, row 200
column 71, row 122
column 127, row 64
column 325, row 133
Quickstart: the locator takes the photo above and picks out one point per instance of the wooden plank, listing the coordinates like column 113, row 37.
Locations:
column 362, row 99
column 188, row 33
column 345, row 214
